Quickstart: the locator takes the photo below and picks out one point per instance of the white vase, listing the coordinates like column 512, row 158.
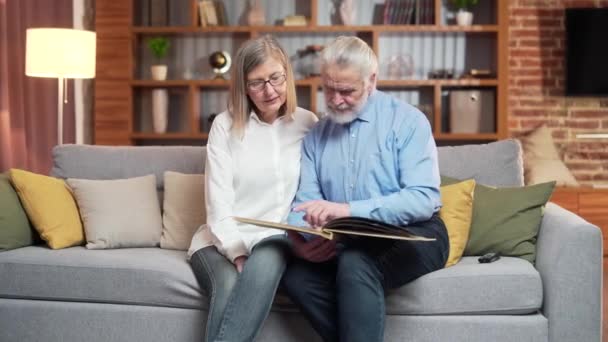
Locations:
column 160, row 110
column 464, row 18
column 159, row 72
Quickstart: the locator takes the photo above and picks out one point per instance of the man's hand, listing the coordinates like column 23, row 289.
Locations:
column 318, row 212
column 239, row 263
column 315, row 250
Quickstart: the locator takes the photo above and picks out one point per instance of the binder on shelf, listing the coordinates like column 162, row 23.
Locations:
column 472, row 111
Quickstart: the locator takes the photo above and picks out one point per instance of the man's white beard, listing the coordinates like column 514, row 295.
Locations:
column 347, row 117
column 341, row 118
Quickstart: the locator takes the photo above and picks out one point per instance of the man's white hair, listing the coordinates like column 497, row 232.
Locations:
column 350, row 51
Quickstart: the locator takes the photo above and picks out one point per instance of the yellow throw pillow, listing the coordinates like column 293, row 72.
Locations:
column 457, row 213
column 50, row 207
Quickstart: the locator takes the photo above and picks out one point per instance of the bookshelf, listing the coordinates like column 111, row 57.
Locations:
column 124, row 86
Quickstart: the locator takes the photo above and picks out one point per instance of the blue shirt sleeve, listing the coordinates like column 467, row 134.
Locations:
column 309, row 188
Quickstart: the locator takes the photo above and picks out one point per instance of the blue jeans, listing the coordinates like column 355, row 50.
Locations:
column 239, row 303
column 344, row 298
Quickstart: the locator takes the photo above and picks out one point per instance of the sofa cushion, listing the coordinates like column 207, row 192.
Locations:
column 498, row 163
column 184, row 209
column 161, row 277
column 457, row 213
column 542, row 162
column 50, row 207
column 506, row 220
column 119, row 213
column 137, row 276
column 15, row 228
column 507, row 286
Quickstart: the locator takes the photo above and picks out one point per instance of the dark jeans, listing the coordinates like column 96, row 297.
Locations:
column 239, row 303
column 344, row 298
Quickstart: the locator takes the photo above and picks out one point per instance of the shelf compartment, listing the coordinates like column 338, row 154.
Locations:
column 484, row 13
column 212, row 101
column 375, row 12
column 469, row 110
column 415, row 55
column 188, row 56
column 294, row 42
column 178, row 118
column 162, row 13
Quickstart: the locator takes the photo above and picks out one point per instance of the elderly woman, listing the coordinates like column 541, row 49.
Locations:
column 252, row 170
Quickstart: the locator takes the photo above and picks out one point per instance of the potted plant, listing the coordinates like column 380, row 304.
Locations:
column 464, row 17
column 159, row 46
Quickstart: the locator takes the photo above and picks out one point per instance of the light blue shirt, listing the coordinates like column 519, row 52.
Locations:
column 384, row 164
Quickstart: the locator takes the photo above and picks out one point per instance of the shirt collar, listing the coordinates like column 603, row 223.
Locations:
column 367, row 114
column 253, row 115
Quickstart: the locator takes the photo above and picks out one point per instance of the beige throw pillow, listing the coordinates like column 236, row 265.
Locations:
column 541, row 159
column 184, row 209
column 119, row 213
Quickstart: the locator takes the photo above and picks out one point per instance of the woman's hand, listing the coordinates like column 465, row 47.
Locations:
column 239, row 263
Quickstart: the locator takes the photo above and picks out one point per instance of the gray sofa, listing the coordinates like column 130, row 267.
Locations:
column 151, row 294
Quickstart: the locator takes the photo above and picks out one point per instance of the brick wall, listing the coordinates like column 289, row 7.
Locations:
column 536, row 87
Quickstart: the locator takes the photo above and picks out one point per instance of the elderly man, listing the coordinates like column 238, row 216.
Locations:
column 373, row 156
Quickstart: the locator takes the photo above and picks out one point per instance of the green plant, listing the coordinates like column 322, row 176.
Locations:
column 464, row 4
column 159, row 46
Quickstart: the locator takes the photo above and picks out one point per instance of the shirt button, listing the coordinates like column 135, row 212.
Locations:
column 352, row 186
column 353, row 135
column 352, row 161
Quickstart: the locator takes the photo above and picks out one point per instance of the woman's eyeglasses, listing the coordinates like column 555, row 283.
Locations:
column 259, row 85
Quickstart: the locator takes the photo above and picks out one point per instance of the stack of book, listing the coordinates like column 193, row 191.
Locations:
column 409, row 12
column 212, row 13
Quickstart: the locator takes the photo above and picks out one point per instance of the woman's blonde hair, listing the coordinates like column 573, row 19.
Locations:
column 250, row 55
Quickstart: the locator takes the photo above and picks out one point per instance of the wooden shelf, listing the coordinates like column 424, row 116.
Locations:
column 438, row 82
column 319, row 29
column 121, row 98
column 168, row 136
column 189, row 29
column 467, row 136
column 316, row 81
column 181, row 83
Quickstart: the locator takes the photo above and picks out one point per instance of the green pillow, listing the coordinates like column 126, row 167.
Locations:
column 506, row 220
column 15, row 228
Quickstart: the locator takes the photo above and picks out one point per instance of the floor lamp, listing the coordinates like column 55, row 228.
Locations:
column 62, row 54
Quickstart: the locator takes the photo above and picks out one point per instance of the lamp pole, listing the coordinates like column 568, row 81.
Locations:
column 60, row 81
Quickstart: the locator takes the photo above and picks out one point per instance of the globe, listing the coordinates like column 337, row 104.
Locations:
column 220, row 62
column 217, row 60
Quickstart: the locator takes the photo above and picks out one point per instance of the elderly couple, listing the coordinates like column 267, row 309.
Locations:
column 372, row 156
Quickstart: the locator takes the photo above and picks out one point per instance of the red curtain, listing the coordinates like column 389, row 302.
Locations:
column 28, row 105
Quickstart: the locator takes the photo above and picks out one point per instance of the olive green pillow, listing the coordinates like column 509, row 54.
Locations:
column 15, row 228
column 506, row 220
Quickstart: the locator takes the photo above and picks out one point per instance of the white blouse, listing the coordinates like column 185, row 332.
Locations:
column 254, row 177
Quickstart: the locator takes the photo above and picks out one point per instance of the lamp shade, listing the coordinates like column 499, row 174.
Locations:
column 55, row 52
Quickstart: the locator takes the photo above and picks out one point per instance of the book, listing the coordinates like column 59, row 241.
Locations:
column 158, row 12
column 358, row 226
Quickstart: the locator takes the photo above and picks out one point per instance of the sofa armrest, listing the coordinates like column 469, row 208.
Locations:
column 569, row 260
